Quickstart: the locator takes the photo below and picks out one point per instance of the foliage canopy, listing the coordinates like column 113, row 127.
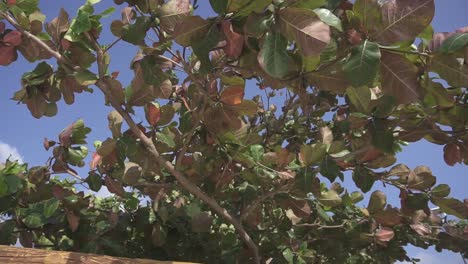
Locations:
column 214, row 177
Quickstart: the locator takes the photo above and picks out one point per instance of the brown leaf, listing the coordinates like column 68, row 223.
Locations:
column 158, row 236
column 114, row 186
column 58, row 25
column 333, row 81
column 300, row 208
column 400, row 78
column 26, row 239
column 421, row 178
column 232, row 95
column 306, row 28
column 235, row 41
column 389, row 217
column 73, row 220
column 404, row 19
column 452, row 154
column 172, row 12
column 37, row 105
column 201, row 223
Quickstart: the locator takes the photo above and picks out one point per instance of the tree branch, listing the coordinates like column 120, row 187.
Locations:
column 147, row 142
column 184, row 182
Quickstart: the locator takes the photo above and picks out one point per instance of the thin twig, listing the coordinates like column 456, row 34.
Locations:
column 112, row 45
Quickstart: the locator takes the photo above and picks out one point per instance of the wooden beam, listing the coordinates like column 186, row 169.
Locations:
column 15, row 255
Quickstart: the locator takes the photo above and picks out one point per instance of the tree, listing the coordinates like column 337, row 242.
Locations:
column 212, row 176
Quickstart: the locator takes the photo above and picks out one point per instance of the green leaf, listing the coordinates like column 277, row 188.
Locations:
column 274, row 57
column 257, row 152
column 452, row 206
column 80, row 24
column 305, row 27
column 136, row 33
column 309, row 4
column 360, row 97
column 312, row 154
column 382, row 137
column 34, row 220
column 203, row 47
column 363, row 178
column 166, row 139
column 454, row 43
column 50, row 207
column 329, row 18
column 76, row 155
column 288, row 255
column 417, row 201
column 190, row 30
column 85, row 77
column 330, row 198
column 243, row 8
column 14, row 183
column 362, row 66
column 330, row 170
column 368, row 11
column 219, row 6
column 377, row 202
column 450, row 69
column 94, row 181
column 441, row 190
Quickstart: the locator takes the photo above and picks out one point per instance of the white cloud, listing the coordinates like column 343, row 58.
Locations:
column 7, row 151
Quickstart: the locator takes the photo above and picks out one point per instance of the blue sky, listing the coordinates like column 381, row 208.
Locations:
column 22, row 134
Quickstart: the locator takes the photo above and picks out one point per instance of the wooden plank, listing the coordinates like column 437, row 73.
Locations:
column 15, row 255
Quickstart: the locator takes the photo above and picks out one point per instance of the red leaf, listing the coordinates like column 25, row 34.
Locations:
column 152, row 113
column 13, row 38
column 452, row 154
column 73, row 220
column 11, row 2
column 7, row 55
column 233, row 95
column 95, row 161
column 384, row 234
column 235, row 41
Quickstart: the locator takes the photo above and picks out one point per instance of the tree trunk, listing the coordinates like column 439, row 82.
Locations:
column 28, row 255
